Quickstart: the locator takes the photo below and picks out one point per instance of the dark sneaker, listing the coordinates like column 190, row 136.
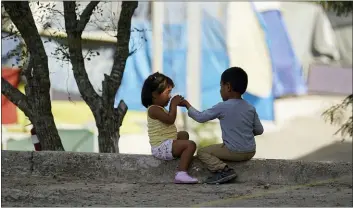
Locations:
column 221, row 177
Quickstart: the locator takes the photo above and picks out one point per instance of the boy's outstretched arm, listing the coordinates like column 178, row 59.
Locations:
column 201, row 117
column 258, row 128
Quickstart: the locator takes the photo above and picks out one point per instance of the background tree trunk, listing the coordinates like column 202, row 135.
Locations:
column 108, row 122
column 108, row 119
column 37, row 103
column 112, row 82
column 108, row 137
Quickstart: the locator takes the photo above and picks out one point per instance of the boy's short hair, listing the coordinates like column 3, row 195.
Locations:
column 237, row 78
column 156, row 82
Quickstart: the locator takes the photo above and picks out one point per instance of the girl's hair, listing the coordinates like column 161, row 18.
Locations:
column 154, row 83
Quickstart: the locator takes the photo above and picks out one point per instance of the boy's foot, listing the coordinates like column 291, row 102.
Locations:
column 222, row 177
column 184, row 178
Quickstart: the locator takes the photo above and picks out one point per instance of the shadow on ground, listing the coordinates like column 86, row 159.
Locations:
column 338, row 151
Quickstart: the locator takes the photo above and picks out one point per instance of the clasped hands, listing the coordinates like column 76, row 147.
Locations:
column 179, row 100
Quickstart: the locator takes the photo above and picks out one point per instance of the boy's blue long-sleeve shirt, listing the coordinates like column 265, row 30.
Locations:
column 239, row 123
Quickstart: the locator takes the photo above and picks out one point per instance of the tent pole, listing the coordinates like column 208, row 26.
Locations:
column 157, row 34
column 193, row 74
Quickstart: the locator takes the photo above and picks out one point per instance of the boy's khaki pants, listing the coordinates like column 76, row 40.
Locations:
column 213, row 155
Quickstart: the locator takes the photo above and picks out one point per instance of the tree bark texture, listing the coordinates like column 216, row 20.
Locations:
column 112, row 83
column 108, row 119
column 36, row 104
column 74, row 33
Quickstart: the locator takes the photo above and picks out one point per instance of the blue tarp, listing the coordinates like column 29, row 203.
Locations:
column 287, row 71
column 214, row 60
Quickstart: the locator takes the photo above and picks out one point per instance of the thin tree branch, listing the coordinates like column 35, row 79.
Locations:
column 16, row 97
column 86, row 15
column 112, row 83
column 89, row 95
column 123, row 36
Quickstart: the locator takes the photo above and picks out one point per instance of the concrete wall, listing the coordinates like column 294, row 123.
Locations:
column 146, row 169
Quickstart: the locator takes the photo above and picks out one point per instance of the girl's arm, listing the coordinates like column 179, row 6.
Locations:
column 167, row 118
column 155, row 112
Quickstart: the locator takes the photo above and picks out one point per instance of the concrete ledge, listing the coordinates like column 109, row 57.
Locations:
column 146, row 169
column 16, row 163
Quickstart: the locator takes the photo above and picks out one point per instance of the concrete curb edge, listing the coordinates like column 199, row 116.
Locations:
column 146, row 169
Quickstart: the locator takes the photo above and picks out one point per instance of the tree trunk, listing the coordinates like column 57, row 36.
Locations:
column 47, row 133
column 108, row 121
column 43, row 119
column 112, row 82
column 37, row 100
column 108, row 137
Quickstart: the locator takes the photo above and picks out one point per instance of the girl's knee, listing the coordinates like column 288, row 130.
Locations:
column 183, row 135
column 179, row 146
column 192, row 145
column 184, row 144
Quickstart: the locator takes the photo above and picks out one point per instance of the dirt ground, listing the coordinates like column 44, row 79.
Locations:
column 39, row 192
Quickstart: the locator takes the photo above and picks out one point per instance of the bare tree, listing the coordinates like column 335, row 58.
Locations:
column 36, row 103
column 108, row 119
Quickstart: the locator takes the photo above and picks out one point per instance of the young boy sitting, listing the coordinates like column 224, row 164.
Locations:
column 239, row 124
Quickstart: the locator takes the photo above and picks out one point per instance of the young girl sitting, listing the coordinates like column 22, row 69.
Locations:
column 166, row 142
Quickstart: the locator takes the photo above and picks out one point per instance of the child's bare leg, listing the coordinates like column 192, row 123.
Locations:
column 184, row 149
column 183, row 135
